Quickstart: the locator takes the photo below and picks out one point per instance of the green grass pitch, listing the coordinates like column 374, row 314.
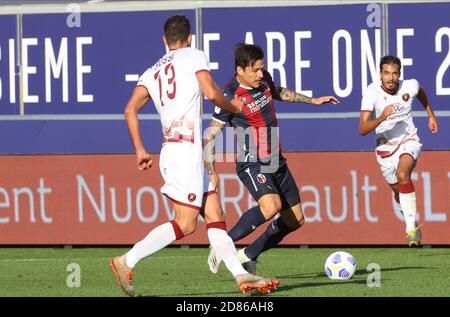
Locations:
column 183, row 272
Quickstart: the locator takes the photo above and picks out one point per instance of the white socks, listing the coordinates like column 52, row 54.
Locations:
column 408, row 203
column 157, row 239
column 168, row 232
column 225, row 249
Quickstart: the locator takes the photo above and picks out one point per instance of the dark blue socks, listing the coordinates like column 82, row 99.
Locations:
column 273, row 235
column 249, row 221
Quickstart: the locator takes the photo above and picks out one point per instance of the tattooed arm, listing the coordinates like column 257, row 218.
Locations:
column 209, row 150
column 284, row 94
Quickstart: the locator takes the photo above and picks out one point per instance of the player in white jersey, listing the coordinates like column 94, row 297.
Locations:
column 386, row 107
column 175, row 84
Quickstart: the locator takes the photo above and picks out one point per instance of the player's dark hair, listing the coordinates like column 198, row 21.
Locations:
column 247, row 55
column 390, row 59
column 177, row 28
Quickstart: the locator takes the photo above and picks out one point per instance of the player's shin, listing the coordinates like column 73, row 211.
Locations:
column 273, row 235
column 157, row 239
column 408, row 205
column 248, row 222
column 224, row 247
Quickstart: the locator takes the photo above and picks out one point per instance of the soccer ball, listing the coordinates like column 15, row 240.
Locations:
column 340, row 265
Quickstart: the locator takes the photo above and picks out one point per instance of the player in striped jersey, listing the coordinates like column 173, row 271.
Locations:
column 260, row 164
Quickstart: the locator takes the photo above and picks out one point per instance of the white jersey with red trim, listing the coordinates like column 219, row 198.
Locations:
column 174, row 89
column 399, row 127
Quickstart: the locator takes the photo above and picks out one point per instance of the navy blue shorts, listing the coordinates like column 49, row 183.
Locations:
column 259, row 184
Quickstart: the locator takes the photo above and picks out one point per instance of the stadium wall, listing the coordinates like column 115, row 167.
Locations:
column 67, row 70
column 104, row 199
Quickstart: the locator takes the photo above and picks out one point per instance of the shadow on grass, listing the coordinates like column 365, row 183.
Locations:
column 436, row 254
column 359, row 272
column 212, row 293
column 209, row 294
column 330, row 283
column 358, row 278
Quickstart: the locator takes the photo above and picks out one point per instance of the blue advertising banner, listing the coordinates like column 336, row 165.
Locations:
column 77, row 78
column 9, row 104
column 97, row 63
column 337, row 55
column 315, row 50
column 423, row 44
column 87, row 69
column 303, row 50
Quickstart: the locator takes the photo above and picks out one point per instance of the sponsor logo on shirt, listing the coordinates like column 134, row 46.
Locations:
column 398, row 107
column 259, row 103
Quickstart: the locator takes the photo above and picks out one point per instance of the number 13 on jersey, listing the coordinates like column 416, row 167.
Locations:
column 167, row 85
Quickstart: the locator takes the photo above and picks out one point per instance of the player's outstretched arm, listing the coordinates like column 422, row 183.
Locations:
column 213, row 93
column 432, row 120
column 285, row 94
column 325, row 99
column 137, row 101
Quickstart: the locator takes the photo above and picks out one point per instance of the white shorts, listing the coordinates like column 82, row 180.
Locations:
column 389, row 164
column 185, row 180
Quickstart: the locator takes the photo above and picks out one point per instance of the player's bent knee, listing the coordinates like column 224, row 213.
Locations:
column 301, row 222
column 189, row 230
column 214, row 215
column 270, row 209
column 188, row 227
column 403, row 177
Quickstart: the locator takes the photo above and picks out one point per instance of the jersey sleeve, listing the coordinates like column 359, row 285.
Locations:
column 199, row 62
column 414, row 87
column 368, row 100
column 221, row 115
column 268, row 79
column 145, row 80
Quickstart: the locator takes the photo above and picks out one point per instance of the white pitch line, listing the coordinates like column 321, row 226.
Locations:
column 93, row 258
column 37, row 260
column 88, row 258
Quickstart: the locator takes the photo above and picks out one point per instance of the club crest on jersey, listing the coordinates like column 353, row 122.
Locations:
column 405, row 97
column 261, row 178
column 191, row 197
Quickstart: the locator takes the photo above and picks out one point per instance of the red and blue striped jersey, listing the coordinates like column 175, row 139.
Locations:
column 257, row 120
